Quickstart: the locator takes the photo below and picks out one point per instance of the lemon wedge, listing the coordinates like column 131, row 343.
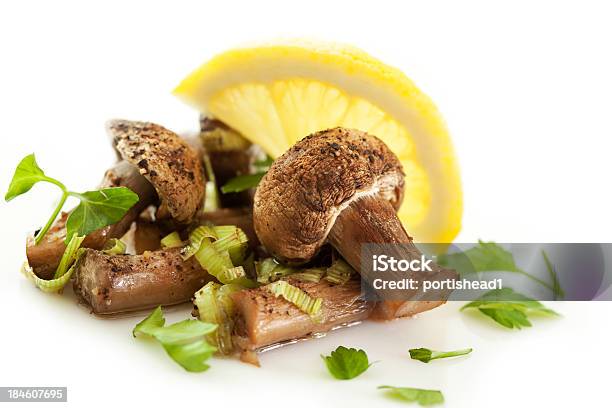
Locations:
column 275, row 94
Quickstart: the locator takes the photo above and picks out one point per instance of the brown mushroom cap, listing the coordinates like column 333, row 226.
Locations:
column 167, row 161
column 297, row 202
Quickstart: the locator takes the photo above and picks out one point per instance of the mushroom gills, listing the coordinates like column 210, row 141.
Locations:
column 264, row 321
column 44, row 257
column 372, row 220
column 112, row 284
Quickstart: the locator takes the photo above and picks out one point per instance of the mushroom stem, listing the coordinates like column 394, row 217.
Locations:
column 372, row 220
column 368, row 220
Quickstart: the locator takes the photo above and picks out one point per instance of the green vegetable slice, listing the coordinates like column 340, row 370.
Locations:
column 215, row 262
column 215, row 306
column 268, row 270
column 303, row 301
column 69, row 256
column 64, row 270
column 509, row 308
column 48, row 286
column 339, row 272
column 184, row 341
column 426, row 355
column 114, row 246
column 346, row 363
column 211, row 196
column 418, row 395
column 195, row 240
column 172, row 240
column 309, row 275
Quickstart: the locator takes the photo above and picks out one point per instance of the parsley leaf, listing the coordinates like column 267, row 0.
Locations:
column 486, row 256
column 99, row 209
column 426, row 355
column 418, row 395
column 241, row 183
column 183, row 341
column 346, row 363
column 490, row 257
column 26, row 175
column 558, row 292
column 96, row 210
column 509, row 308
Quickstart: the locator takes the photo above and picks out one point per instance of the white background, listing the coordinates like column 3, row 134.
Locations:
column 525, row 88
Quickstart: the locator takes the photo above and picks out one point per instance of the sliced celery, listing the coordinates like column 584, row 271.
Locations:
column 211, row 197
column 339, row 272
column 309, row 275
column 303, row 301
column 213, row 306
column 114, row 246
column 172, row 240
column 69, row 255
column 268, row 270
column 195, row 240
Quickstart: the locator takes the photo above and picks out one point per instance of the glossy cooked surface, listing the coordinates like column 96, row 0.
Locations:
column 122, row 283
column 264, row 320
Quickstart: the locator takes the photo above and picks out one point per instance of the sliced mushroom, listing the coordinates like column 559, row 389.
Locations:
column 44, row 257
column 167, row 161
column 340, row 186
column 264, row 320
column 122, row 283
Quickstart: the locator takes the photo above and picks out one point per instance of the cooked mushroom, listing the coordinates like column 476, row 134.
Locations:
column 167, row 161
column 44, row 257
column 122, row 283
column 264, row 320
column 340, row 186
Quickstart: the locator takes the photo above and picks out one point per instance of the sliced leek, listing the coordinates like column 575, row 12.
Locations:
column 303, row 301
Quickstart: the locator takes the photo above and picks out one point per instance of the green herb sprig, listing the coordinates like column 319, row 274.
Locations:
column 184, row 341
column 509, row 308
column 247, row 181
column 346, row 363
column 491, row 257
column 426, row 355
column 96, row 209
column 418, row 395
